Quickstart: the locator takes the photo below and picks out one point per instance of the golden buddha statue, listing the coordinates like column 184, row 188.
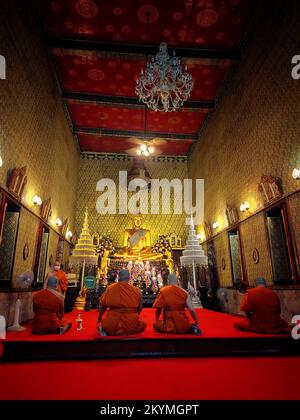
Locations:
column 137, row 243
column 169, row 260
column 80, row 301
column 104, row 262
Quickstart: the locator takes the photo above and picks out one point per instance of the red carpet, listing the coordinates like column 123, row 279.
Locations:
column 213, row 325
column 179, row 379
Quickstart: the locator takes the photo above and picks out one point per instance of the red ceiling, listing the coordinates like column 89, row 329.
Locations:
column 85, row 71
column 205, row 24
column 120, row 118
column 94, row 143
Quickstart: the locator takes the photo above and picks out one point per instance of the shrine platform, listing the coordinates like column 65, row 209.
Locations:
column 219, row 339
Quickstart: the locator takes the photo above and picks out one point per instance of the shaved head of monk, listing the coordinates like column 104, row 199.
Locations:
column 124, row 275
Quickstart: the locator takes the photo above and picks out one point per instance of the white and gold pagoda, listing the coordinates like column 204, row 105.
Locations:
column 192, row 257
column 84, row 252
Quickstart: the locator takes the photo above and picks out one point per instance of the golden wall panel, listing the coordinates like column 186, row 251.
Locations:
column 91, row 171
column 221, row 245
column 254, row 131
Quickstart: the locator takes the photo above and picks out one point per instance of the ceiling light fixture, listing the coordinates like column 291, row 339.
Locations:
column 145, row 150
column 163, row 86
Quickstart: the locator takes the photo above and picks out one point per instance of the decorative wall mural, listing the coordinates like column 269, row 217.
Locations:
column 270, row 189
column 26, row 252
column 17, row 181
column 255, row 256
column 232, row 215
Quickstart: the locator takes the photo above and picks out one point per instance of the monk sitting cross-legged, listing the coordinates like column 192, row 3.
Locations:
column 173, row 300
column 123, row 303
column 48, row 307
column 262, row 308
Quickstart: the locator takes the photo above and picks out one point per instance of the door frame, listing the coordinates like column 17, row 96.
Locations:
column 241, row 255
column 290, row 242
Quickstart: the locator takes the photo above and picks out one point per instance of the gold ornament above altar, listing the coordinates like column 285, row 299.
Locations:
column 137, row 243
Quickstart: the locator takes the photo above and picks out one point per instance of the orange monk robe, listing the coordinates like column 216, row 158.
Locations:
column 172, row 299
column 62, row 279
column 124, row 302
column 48, row 310
column 264, row 306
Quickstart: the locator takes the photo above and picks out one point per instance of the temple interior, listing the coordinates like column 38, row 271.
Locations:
column 83, row 141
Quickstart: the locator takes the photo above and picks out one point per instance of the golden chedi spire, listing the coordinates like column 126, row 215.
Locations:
column 84, row 249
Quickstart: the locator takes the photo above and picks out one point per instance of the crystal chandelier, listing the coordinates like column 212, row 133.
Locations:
column 163, row 86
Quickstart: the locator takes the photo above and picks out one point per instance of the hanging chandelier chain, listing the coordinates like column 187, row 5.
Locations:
column 163, row 86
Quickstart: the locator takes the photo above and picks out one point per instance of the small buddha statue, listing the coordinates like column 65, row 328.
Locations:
column 104, row 262
column 169, row 259
column 80, row 301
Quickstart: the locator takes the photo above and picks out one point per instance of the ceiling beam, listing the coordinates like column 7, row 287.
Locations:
column 139, row 49
column 133, row 133
column 129, row 101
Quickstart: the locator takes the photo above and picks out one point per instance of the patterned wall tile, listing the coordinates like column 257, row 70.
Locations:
column 91, row 171
column 33, row 127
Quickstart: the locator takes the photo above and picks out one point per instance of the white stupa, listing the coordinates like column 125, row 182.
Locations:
column 193, row 252
column 192, row 256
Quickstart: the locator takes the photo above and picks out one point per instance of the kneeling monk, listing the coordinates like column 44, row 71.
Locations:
column 262, row 308
column 124, row 304
column 173, row 300
column 48, row 307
